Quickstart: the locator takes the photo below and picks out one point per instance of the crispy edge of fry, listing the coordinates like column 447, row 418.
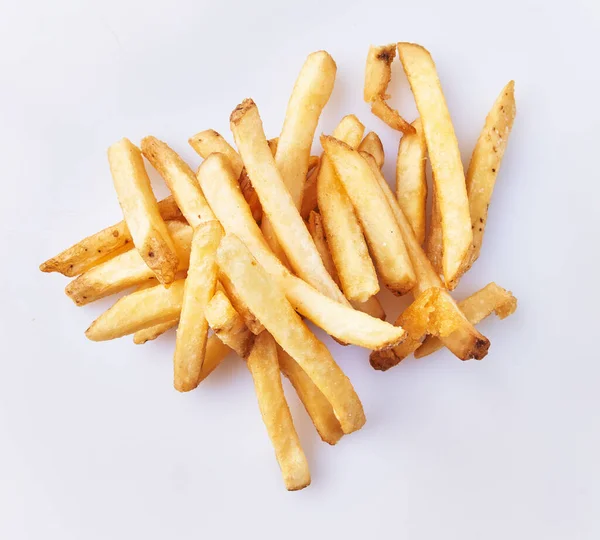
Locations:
column 480, row 305
column 200, row 284
column 140, row 210
column 371, row 144
column 390, row 116
column 379, row 225
column 444, row 155
column 411, row 182
column 151, row 333
column 209, row 142
column 264, row 367
column 277, row 202
column 102, row 246
column 316, row 404
column 345, row 324
column 267, row 300
column 378, row 71
column 228, row 325
column 180, row 178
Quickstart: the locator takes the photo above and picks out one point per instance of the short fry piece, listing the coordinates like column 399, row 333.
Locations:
column 200, row 284
column 151, row 333
column 267, row 300
column 210, row 142
column 371, row 144
column 264, row 367
column 446, row 164
column 411, row 183
column 378, row 72
column 391, row 117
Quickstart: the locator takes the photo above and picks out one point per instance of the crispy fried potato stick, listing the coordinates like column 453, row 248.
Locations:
column 126, row 270
column 446, row 164
column 435, row 238
column 228, row 324
column 315, row 403
column 309, row 200
column 379, row 225
column 277, row 202
column 200, row 285
column 209, row 142
column 344, row 324
column 371, row 144
column 378, row 72
column 264, row 367
column 267, row 300
column 151, row 333
column 253, row 324
column 102, row 246
column 411, row 183
column 140, row 210
column 181, row 180
column 478, row 306
column 391, row 117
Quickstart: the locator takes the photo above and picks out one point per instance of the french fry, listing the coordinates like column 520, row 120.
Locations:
column 411, row 183
column 371, row 307
column 315, row 403
column 267, row 300
column 478, row 306
column 216, row 352
column 378, row 72
column 210, row 142
column 253, row 324
column 346, row 325
column 200, row 285
column 102, row 246
column 391, row 117
column 151, row 333
column 435, row 238
column 264, row 367
column 181, row 180
column 277, row 202
column 228, row 325
column 345, row 238
column 309, row 200
column 381, row 230
column 371, row 144
column 126, row 270
column 140, row 210
column 446, row 164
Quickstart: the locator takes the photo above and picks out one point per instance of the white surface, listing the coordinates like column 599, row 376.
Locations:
column 95, row 443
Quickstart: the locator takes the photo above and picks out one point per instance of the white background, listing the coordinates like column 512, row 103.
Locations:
column 95, row 443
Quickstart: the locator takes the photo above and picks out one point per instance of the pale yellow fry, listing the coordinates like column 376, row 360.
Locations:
column 264, row 367
column 446, row 164
column 149, row 334
column 478, row 306
column 378, row 71
column 200, row 285
column 411, row 183
column 381, row 230
column 315, row 403
column 126, row 270
column 181, row 180
column 390, row 116
column 209, row 142
column 267, row 300
column 140, row 210
column 277, row 202
column 344, row 324
column 371, row 144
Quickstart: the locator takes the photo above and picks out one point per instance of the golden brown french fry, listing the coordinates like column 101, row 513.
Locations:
column 264, row 367
column 309, row 200
column 216, row 351
column 140, row 210
column 200, row 285
column 478, row 306
column 126, row 270
column 253, row 324
column 209, row 142
column 485, row 163
column 391, row 117
column 228, row 324
column 371, row 144
column 181, row 180
column 377, row 220
column 378, row 72
column 277, row 202
column 371, row 307
column 267, row 300
column 446, row 164
column 315, row 403
column 149, row 334
column 435, row 238
column 411, row 183
column 102, row 246
column 346, row 325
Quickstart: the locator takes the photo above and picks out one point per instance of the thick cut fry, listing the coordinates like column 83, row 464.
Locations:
column 381, row 230
column 210, row 142
column 411, row 183
column 200, row 285
column 391, row 117
column 345, row 324
column 102, row 246
column 228, row 324
column 315, row 403
column 277, row 202
column 149, row 334
column 126, row 270
column 485, row 163
column 264, row 367
column 371, row 144
column 478, row 306
column 181, row 180
column 267, row 300
column 446, row 164
column 378, row 72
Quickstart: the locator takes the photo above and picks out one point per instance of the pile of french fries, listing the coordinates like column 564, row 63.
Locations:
column 267, row 235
